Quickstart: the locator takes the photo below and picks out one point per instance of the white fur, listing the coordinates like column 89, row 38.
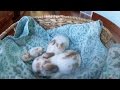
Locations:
column 66, row 65
column 61, row 43
column 35, row 62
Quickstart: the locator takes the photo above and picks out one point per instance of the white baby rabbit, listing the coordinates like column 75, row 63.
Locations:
column 64, row 63
column 58, row 44
column 32, row 53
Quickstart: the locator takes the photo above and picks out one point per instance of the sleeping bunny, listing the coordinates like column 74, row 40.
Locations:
column 56, row 46
column 64, row 63
column 32, row 53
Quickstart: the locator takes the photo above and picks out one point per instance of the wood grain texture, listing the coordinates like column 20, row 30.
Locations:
column 5, row 19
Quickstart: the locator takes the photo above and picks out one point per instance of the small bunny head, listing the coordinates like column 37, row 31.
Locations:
column 37, row 64
column 36, row 51
column 58, row 44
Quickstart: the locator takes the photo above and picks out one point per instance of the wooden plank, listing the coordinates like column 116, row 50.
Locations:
column 5, row 20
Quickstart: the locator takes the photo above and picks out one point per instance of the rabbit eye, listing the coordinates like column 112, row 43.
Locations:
column 61, row 46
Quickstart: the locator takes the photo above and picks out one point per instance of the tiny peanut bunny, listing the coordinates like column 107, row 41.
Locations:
column 26, row 57
column 32, row 53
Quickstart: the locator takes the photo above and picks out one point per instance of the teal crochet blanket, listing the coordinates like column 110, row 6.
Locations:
column 84, row 38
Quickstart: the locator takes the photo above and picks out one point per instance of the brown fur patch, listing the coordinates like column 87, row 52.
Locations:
column 48, row 55
column 71, row 55
column 51, row 67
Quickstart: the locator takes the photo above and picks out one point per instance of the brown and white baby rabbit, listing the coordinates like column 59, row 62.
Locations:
column 32, row 53
column 56, row 46
column 64, row 63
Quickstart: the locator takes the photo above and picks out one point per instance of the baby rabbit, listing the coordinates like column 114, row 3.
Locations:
column 64, row 63
column 58, row 44
column 32, row 53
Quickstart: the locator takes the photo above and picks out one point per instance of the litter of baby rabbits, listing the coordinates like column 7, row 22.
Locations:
column 56, row 59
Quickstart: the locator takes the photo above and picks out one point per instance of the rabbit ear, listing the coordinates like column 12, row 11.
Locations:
column 53, row 42
column 72, row 55
column 49, row 67
column 48, row 55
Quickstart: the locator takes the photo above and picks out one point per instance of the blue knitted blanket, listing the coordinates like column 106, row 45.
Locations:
column 84, row 38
